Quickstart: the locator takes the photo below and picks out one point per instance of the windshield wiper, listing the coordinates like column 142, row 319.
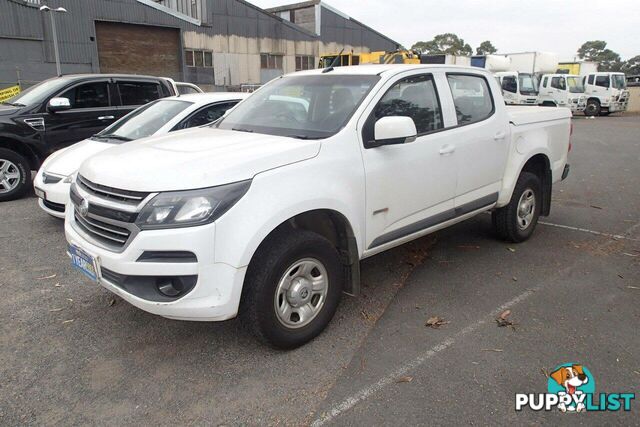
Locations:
column 13, row 104
column 302, row 137
column 112, row 136
column 242, row 130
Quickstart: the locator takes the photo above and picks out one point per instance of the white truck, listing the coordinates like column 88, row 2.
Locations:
column 520, row 82
column 268, row 212
column 606, row 93
column 562, row 90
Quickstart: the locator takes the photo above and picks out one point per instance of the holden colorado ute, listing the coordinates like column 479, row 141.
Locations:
column 267, row 213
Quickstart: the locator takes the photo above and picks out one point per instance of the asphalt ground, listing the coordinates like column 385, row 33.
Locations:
column 71, row 353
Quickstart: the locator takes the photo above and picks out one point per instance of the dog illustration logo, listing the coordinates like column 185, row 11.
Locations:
column 572, row 381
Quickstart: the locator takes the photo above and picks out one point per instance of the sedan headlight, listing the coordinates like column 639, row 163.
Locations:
column 190, row 208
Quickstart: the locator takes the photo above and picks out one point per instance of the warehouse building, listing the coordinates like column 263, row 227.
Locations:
column 214, row 43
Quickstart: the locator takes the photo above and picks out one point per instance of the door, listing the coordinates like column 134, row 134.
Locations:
column 559, row 90
column 408, row 186
column 481, row 141
column 91, row 111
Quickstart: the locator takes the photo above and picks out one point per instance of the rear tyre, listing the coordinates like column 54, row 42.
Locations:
column 15, row 175
column 593, row 108
column 516, row 221
column 292, row 289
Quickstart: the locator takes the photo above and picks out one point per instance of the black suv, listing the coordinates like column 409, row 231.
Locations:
column 61, row 111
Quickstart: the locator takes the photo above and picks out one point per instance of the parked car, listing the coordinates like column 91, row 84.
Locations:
column 62, row 111
column 187, row 88
column 159, row 117
column 268, row 212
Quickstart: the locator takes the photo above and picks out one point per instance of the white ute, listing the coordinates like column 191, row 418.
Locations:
column 269, row 212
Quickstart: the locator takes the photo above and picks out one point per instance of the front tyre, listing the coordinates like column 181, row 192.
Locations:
column 593, row 108
column 292, row 289
column 15, row 175
column 516, row 221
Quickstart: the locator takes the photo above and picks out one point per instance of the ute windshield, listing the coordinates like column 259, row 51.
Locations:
column 304, row 106
column 575, row 84
column 528, row 84
column 618, row 81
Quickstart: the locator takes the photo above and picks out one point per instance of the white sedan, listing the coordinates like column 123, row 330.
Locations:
column 165, row 115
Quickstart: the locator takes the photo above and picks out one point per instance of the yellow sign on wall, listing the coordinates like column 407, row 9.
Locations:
column 9, row 92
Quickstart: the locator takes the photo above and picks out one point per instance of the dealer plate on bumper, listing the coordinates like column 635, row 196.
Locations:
column 85, row 263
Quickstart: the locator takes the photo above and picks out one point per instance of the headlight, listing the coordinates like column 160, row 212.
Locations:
column 190, row 208
column 70, row 178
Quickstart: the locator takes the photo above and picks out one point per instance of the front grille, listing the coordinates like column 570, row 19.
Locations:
column 109, row 193
column 58, row 207
column 103, row 232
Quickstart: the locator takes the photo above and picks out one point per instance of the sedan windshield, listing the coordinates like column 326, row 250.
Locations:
column 143, row 122
column 528, row 84
column 618, row 81
column 304, row 107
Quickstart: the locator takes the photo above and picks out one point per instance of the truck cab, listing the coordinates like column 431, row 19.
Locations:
column 518, row 88
column 606, row 93
column 562, row 90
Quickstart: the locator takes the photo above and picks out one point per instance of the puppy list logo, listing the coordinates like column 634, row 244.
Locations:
column 571, row 388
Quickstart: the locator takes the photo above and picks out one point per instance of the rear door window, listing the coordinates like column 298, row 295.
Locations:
column 471, row 97
column 88, row 95
column 134, row 93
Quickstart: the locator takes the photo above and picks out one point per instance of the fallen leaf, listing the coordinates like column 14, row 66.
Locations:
column 70, row 299
column 405, row 379
column 514, row 278
column 633, row 287
column 544, row 372
column 628, row 254
column 112, row 302
column 512, row 250
column 58, row 285
column 497, row 350
column 46, row 277
column 68, row 321
column 636, row 372
column 55, row 310
column 435, row 322
column 468, row 247
column 502, row 319
column 596, row 207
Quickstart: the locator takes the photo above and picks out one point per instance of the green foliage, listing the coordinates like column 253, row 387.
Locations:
column 447, row 43
column 486, row 48
column 632, row 66
column 596, row 50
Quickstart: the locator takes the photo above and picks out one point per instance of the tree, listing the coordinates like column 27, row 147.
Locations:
column 486, row 48
column 444, row 43
column 632, row 66
column 596, row 50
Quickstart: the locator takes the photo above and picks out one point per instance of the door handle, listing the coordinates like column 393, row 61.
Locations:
column 106, row 118
column 447, row 149
column 499, row 136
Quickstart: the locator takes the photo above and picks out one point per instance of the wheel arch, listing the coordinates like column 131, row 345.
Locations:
column 540, row 165
column 335, row 227
column 22, row 149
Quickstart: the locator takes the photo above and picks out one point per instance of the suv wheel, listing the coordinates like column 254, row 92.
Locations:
column 292, row 289
column 15, row 175
column 593, row 108
column 516, row 221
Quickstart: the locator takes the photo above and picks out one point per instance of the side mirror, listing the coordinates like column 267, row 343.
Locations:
column 58, row 104
column 393, row 130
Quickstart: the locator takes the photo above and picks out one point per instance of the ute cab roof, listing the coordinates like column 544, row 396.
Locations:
column 379, row 69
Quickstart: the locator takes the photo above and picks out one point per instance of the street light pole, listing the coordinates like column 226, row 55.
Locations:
column 54, row 33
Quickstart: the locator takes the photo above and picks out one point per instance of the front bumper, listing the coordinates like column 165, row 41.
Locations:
column 216, row 294
column 57, row 196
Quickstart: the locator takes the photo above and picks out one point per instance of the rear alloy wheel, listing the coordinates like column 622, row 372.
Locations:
column 593, row 108
column 516, row 221
column 292, row 289
column 14, row 174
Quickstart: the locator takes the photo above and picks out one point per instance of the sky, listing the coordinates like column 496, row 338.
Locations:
column 511, row 25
